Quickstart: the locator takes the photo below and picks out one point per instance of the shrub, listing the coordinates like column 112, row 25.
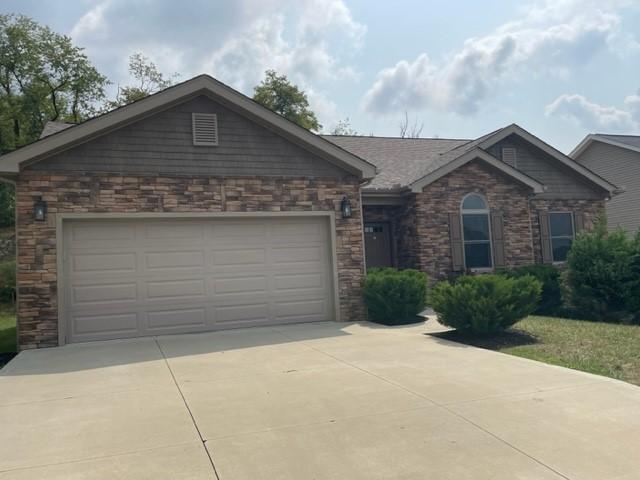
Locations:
column 485, row 303
column 549, row 277
column 8, row 281
column 599, row 274
column 394, row 297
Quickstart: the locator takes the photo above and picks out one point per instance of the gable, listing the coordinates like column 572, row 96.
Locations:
column 560, row 182
column 163, row 143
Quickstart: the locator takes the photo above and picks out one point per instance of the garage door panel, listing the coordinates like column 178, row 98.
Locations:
column 176, row 318
column 175, row 260
column 104, row 262
column 258, row 312
column 172, row 289
column 241, row 257
column 172, row 276
column 108, row 324
column 103, row 293
column 240, row 285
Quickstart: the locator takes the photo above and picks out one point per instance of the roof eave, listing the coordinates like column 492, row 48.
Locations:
column 469, row 156
column 202, row 84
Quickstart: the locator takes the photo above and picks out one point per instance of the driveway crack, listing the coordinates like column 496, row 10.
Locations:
column 186, row 404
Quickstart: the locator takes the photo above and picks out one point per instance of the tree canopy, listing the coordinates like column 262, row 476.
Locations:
column 277, row 93
column 43, row 76
column 148, row 79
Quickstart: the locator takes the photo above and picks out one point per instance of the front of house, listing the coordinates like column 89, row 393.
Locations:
column 197, row 209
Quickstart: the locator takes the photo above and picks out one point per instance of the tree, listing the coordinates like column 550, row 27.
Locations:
column 277, row 93
column 43, row 77
column 148, row 80
column 416, row 130
column 344, row 128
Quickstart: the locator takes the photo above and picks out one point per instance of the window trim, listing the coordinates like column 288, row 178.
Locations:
column 552, row 237
column 474, row 211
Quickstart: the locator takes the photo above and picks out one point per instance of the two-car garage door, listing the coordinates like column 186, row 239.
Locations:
column 128, row 278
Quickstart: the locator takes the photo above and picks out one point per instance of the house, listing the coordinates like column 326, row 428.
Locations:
column 616, row 157
column 197, row 209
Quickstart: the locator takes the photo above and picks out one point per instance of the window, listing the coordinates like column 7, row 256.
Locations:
column 561, row 234
column 475, row 232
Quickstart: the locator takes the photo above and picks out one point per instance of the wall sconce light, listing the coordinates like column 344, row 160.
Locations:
column 345, row 206
column 40, row 210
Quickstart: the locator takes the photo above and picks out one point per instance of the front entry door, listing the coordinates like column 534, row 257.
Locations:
column 377, row 244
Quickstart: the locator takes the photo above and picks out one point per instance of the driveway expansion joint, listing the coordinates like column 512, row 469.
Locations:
column 195, row 425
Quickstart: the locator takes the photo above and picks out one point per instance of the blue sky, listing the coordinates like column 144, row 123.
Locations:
column 559, row 68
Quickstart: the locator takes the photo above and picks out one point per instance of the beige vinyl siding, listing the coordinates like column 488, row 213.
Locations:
column 163, row 143
column 621, row 167
column 561, row 183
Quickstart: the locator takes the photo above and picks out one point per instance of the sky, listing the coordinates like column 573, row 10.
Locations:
column 559, row 68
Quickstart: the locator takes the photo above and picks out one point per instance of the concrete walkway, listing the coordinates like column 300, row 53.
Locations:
column 315, row 401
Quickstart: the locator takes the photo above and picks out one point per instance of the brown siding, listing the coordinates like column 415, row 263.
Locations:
column 163, row 144
column 108, row 192
column 561, row 183
column 439, row 199
column 621, row 167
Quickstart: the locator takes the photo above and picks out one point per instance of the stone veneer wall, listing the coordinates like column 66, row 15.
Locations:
column 444, row 196
column 590, row 209
column 107, row 192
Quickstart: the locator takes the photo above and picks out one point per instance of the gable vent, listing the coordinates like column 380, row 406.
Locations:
column 509, row 156
column 205, row 129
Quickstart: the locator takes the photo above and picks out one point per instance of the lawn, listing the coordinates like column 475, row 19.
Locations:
column 7, row 333
column 602, row 348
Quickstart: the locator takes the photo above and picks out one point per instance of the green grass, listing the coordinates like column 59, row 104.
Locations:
column 602, row 348
column 7, row 333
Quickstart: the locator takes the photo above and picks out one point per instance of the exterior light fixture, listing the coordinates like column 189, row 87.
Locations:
column 345, row 206
column 40, row 210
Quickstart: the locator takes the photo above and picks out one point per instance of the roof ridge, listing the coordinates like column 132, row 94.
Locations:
column 397, row 138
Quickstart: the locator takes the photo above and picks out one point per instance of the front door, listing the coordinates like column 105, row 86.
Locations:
column 377, row 244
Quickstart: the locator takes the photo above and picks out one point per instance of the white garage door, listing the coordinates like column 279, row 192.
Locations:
column 147, row 277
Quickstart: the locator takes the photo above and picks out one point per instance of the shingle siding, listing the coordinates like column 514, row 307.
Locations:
column 621, row 167
column 163, row 144
column 560, row 182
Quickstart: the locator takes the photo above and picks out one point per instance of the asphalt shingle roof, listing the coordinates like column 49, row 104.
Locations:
column 401, row 161
column 631, row 140
column 54, row 127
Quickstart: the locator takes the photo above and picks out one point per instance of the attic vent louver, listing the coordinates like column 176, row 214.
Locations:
column 509, row 156
column 205, row 129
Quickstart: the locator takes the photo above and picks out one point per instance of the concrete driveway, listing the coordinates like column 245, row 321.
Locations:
column 315, row 401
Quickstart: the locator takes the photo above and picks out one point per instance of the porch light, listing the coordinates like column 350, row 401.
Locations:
column 39, row 210
column 345, row 206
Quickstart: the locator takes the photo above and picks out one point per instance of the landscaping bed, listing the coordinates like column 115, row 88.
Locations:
column 608, row 349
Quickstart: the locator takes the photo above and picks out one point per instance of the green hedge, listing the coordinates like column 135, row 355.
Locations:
column 485, row 303
column 549, row 277
column 394, row 297
column 602, row 275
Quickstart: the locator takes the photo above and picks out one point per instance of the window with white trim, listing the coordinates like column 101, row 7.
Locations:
column 561, row 233
column 476, row 232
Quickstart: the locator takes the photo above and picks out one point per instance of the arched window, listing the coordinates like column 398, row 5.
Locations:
column 476, row 232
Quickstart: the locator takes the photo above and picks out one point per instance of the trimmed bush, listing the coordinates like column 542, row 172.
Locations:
column 8, row 281
column 394, row 297
column 549, row 277
column 485, row 303
column 599, row 275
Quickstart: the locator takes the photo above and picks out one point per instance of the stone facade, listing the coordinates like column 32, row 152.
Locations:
column 422, row 223
column 591, row 210
column 114, row 193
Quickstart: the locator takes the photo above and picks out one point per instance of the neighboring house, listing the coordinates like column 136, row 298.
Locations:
column 197, row 209
column 617, row 158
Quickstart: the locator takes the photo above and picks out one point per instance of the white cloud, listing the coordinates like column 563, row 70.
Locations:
column 553, row 37
column 595, row 117
column 237, row 40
